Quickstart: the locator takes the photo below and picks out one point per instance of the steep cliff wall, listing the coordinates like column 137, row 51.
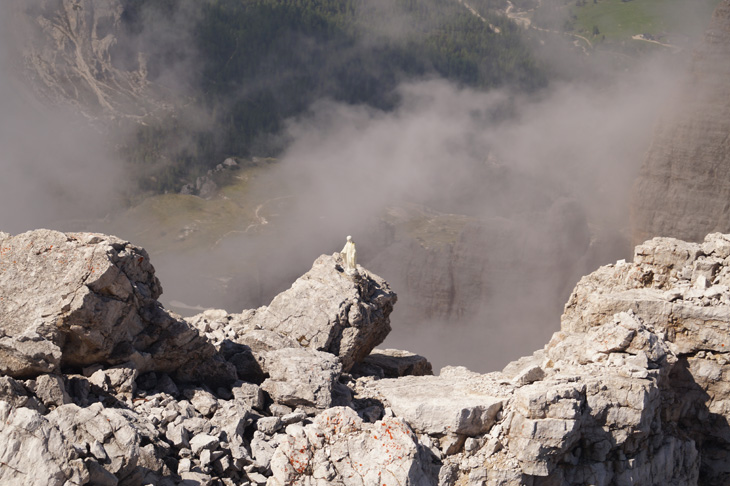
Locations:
column 459, row 276
column 683, row 189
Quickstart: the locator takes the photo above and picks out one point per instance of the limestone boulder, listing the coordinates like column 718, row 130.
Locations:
column 453, row 403
column 73, row 446
column 339, row 448
column 79, row 299
column 301, row 377
column 16, row 395
column 328, row 310
column 33, row 452
column 50, row 390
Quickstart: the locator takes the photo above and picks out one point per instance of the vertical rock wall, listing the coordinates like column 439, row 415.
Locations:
column 683, row 190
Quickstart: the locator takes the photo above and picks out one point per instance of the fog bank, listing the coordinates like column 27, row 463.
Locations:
column 482, row 209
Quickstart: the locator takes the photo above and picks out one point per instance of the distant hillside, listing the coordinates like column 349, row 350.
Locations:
column 250, row 65
column 627, row 27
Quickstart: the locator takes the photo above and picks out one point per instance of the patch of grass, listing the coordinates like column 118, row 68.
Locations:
column 668, row 21
column 428, row 227
column 175, row 222
column 239, row 188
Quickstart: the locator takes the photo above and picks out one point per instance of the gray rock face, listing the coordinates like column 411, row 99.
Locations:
column 678, row 293
column 448, row 404
column 632, row 390
column 684, row 183
column 327, row 310
column 33, row 452
column 301, row 377
column 90, row 299
column 324, row 310
column 323, row 325
column 339, row 448
column 50, row 390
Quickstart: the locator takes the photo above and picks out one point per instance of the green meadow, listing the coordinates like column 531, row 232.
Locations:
column 673, row 22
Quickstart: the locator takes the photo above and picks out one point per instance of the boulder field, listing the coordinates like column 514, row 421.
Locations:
column 99, row 384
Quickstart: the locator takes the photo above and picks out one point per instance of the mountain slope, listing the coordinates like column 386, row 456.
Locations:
column 683, row 189
column 69, row 51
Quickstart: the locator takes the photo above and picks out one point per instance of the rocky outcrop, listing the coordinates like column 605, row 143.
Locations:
column 328, row 310
column 74, row 300
column 632, row 389
column 324, row 310
column 684, row 184
column 680, row 290
column 102, row 385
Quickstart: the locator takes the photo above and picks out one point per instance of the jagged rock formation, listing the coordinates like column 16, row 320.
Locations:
column 684, row 185
column 347, row 317
column 117, row 390
column 83, row 299
column 681, row 291
column 632, row 390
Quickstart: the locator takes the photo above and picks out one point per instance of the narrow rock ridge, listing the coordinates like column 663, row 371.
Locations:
column 632, row 389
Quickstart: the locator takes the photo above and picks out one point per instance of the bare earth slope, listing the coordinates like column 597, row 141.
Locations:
column 68, row 51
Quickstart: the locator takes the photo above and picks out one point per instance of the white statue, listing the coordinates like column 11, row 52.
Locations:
column 349, row 254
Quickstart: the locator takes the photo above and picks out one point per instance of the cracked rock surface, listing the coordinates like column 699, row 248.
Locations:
column 328, row 310
column 632, row 390
column 78, row 299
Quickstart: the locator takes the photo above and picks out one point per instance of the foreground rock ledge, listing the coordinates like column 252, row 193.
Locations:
column 101, row 385
column 69, row 301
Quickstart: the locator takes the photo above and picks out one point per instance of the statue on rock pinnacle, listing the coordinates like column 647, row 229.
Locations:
column 349, row 254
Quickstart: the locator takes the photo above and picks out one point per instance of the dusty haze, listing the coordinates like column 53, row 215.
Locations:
column 576, row 143
column 55, row 166
column 348, row 165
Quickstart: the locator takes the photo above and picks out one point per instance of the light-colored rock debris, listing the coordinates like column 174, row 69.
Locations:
column 632, row 390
